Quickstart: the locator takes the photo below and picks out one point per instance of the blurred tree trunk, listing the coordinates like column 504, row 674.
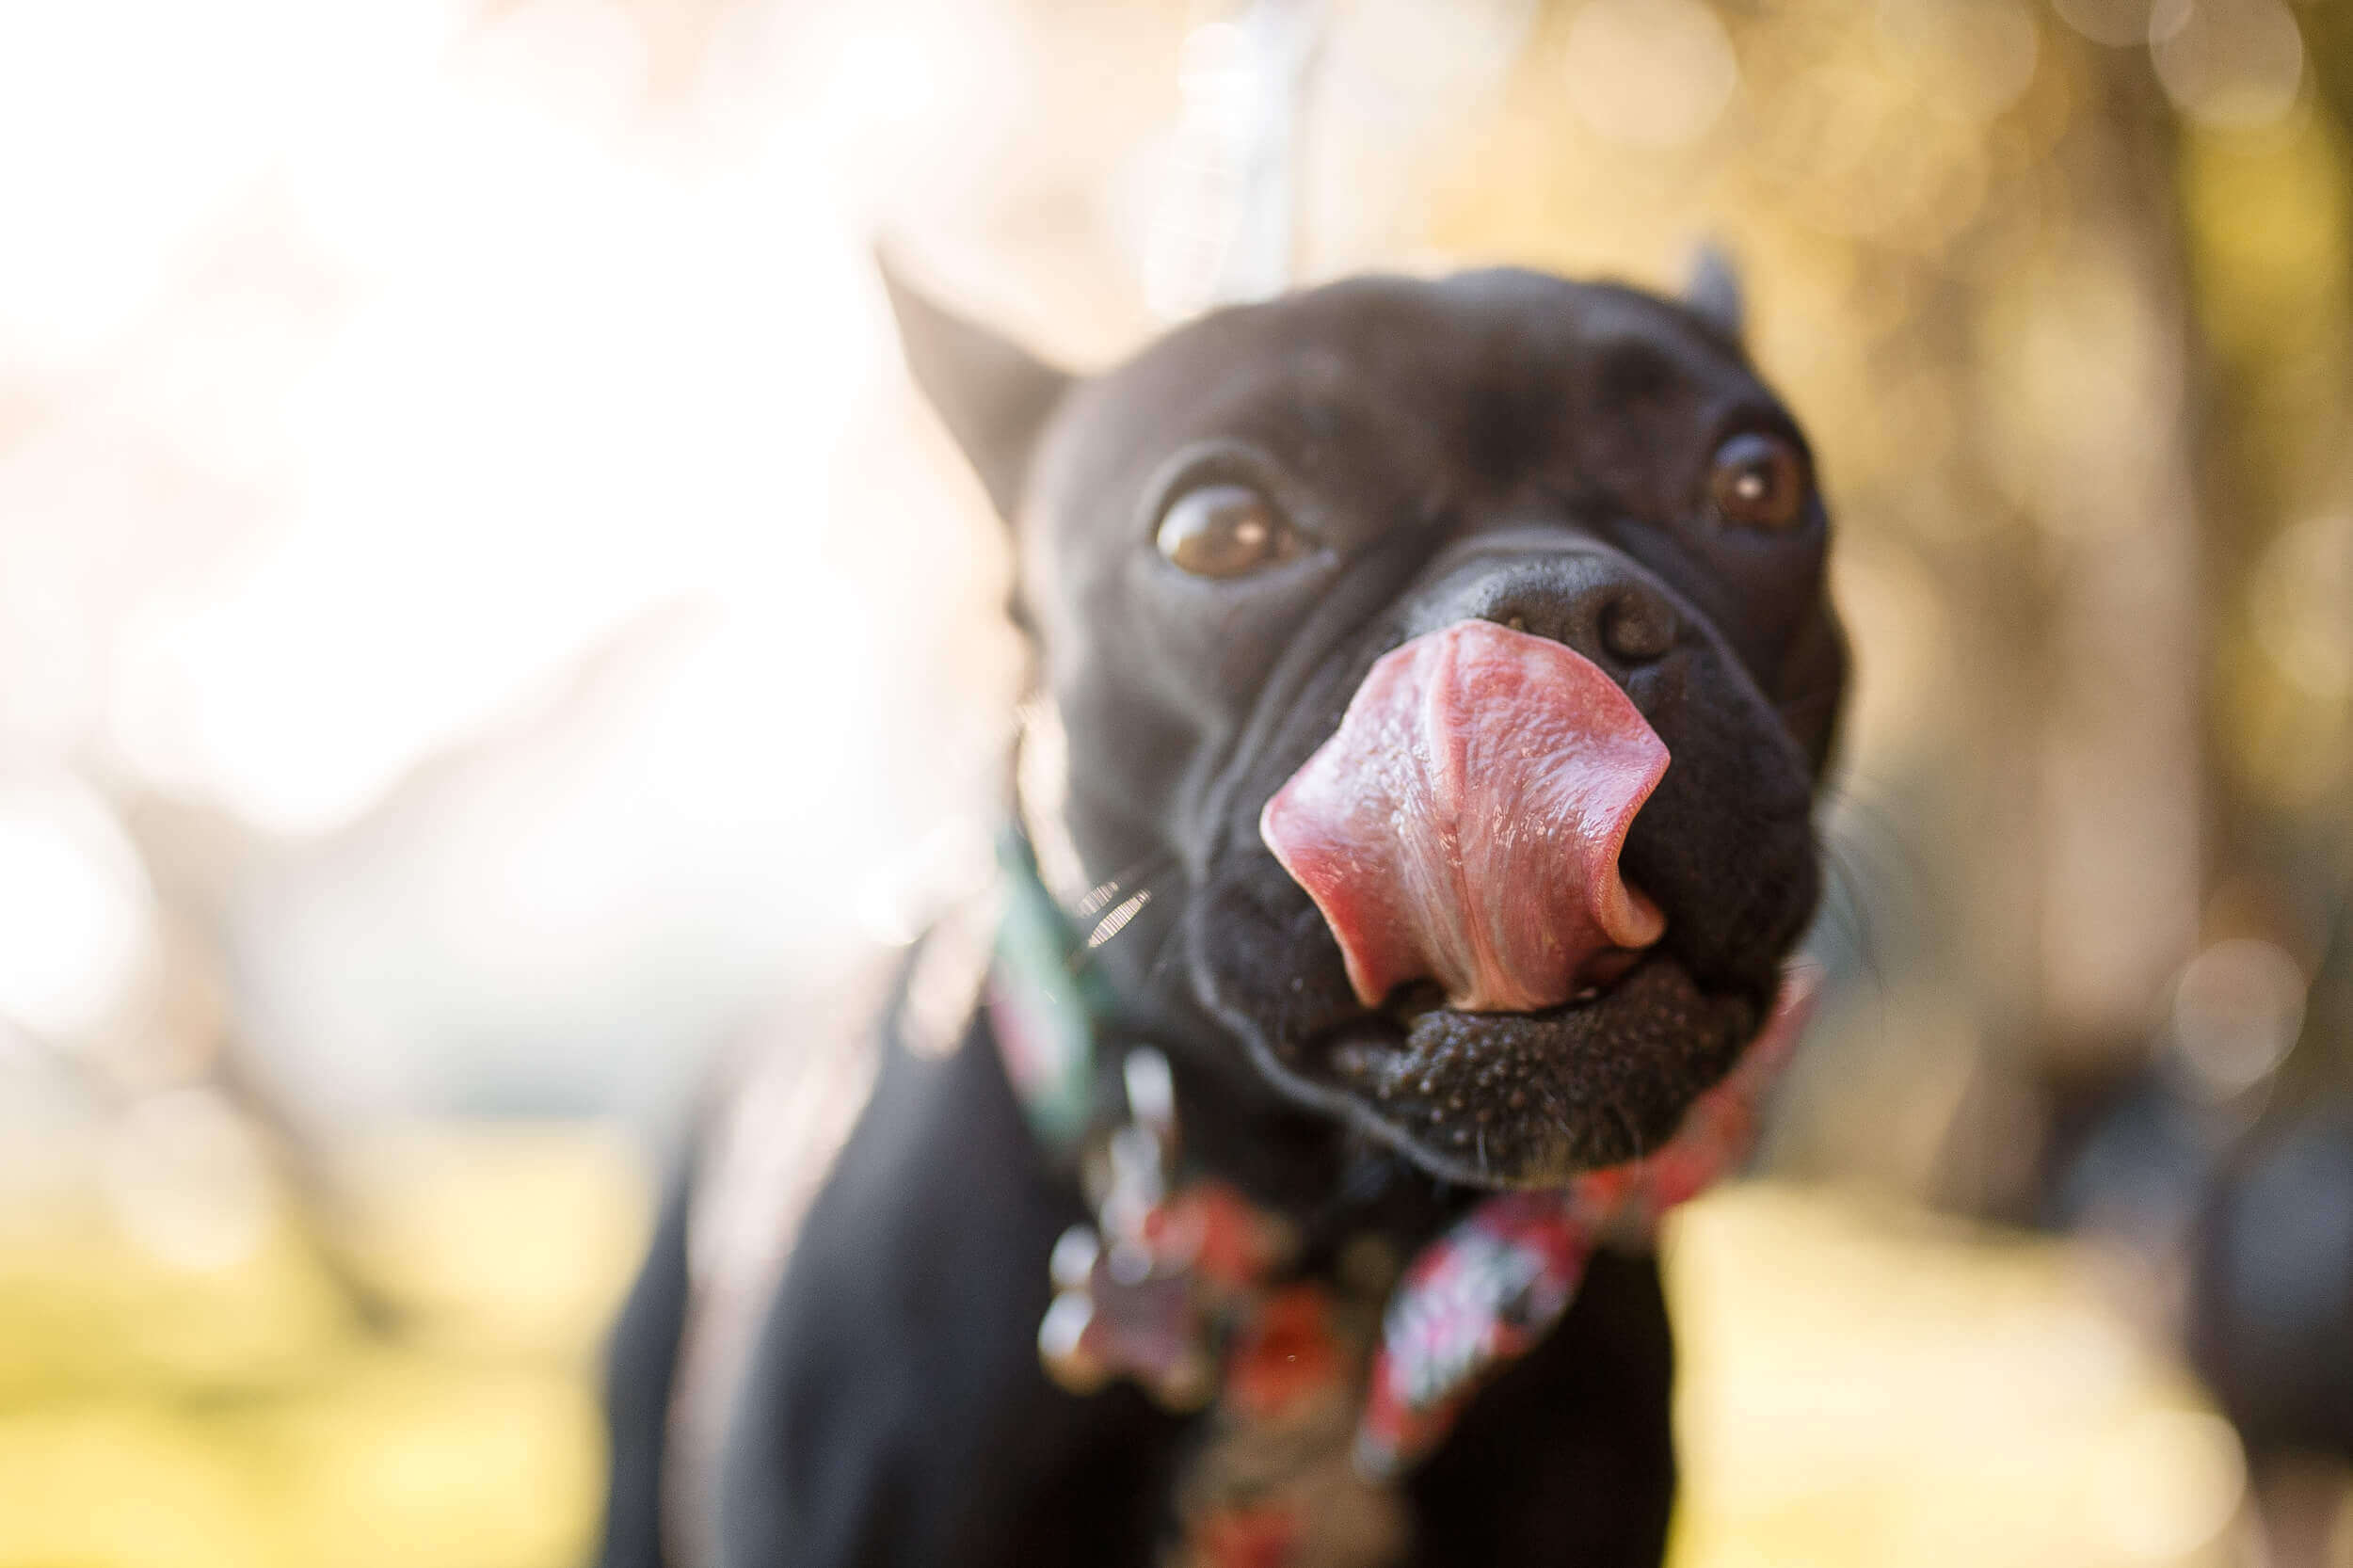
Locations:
column 2123, row 759
column 2272, row 217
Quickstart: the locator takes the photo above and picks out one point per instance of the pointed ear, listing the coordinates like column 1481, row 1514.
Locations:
column 1711, row 289
column 993, row 395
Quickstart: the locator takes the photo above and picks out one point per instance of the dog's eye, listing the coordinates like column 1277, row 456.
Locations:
column 1758, row 481
column 1224, row 530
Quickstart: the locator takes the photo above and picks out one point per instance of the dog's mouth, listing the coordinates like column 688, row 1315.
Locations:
column 1463, row 824
column 1504, row 1008
column 1488, row 1099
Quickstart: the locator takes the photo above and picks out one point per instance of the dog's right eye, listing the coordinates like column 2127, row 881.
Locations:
column 1225, row 531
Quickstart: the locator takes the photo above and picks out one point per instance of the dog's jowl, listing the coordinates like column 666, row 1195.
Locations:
column 1441, row 673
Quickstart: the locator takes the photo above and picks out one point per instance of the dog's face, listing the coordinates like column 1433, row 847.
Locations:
column 1221, row 539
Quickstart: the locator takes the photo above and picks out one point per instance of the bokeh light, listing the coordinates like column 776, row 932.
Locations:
column 74, row 909
column 1651, row 73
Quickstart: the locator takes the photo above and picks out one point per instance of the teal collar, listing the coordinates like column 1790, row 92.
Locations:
column 1047, row 1003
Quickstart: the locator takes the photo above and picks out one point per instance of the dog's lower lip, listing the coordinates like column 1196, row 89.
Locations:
column 1482, row 1099
column 1602, row 974
column 1361, row 1047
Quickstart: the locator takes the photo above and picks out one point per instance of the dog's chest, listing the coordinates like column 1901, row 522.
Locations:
column 1309, row 1378
column 1266, row 1479
column 788, row 1105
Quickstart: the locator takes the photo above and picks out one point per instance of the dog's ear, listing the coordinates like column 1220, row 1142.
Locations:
column 992, row 395
column 1711, row 289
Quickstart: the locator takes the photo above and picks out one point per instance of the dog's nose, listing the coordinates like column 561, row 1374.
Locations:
column 1590, row 599
column 1618, row 622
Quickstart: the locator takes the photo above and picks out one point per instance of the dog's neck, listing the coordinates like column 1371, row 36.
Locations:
column 1071, row 1026
column 1068, row 924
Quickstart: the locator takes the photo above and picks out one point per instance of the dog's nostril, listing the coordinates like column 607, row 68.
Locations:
column 1638, row 627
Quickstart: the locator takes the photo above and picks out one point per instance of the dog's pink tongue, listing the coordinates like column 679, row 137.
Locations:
column 1463, row 824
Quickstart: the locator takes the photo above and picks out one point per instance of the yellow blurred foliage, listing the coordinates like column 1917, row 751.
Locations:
column 1861, row 1384
column 152, row 1417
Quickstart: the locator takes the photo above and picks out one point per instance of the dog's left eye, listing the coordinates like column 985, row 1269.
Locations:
column 1758, row 481
column 1224, row 530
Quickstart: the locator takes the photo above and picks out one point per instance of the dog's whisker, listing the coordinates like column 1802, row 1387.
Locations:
column 1852, row 802
column 1866, row 840
column 1852, row 911
column 1172, row 892
column 1116, row 921
column 1152, row 888
column 1633, row 1130
column 1145, row 868
column 1865, row 836
column 1168, row 952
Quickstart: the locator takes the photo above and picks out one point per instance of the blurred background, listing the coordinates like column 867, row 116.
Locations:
column 485, row 626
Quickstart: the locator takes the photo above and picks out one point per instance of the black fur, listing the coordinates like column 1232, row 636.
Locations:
column 1504, row 445
column 639, row 1375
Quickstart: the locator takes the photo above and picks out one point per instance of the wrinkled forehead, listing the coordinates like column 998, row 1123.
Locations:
column 1487, row 365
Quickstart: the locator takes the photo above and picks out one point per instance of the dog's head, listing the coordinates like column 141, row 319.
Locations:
column 1448, row 572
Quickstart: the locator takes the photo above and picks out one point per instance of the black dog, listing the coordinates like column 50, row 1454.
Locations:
column 1254, row 527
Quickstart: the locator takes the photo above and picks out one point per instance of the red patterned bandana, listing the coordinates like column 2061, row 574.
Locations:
column 1319, row 1393
column 1488, row 1290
